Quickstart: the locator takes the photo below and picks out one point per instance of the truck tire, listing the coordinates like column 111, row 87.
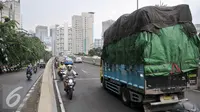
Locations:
column 125, row 96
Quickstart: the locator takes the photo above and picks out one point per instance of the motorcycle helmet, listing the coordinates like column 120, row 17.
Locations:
column 61, row 63
column 69, row 67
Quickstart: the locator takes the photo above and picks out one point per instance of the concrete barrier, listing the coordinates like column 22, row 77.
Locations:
column 91, row 60
column 47, row 101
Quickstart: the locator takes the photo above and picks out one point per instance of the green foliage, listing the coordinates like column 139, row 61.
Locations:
column 81, row 54
column 95, row 51
column 17, row 47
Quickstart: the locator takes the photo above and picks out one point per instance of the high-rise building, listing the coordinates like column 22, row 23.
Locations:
column 70, row 39
column 41, row 32
column 53, row 38
column 47, row 42
column 82, row 32
column 106, row 25
column 87, row 21
column 77, row 34
column 98, row 43
column 66, row 51
column 92, row 46
column 62, row 39
column 11, row 9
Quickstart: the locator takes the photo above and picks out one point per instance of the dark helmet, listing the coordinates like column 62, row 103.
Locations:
column 62, row 63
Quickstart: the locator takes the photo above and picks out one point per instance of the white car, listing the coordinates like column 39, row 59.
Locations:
column 78, row 60
column 96, row 57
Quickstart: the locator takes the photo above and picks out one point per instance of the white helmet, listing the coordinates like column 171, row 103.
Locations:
column 69, row 67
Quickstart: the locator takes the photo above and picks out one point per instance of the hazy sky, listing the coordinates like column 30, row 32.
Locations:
column 50, row 12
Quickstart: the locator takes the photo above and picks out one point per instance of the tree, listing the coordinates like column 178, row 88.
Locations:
column 91, row 52
column 95, row 51
column 17, row 48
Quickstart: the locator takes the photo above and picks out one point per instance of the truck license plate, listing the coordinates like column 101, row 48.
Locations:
column 192, row 75
column 167, row 98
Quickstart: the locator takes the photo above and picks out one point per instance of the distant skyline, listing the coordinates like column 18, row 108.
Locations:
column 50, row 12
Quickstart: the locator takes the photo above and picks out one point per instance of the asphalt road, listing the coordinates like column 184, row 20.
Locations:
column 10, row 82
column 89, row 96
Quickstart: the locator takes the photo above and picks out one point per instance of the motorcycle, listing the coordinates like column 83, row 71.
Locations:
column 28, row 75
column 70, row 86
column 35, row 69
column 61, row 73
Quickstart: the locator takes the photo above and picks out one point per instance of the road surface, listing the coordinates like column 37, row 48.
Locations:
column 89, row 96
column 10, row 82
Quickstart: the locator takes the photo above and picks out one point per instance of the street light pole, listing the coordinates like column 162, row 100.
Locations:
column 137, row 4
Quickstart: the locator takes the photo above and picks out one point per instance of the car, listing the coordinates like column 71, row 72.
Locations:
column 78, row 60
column 42, row 64
column 96, row 57
column 68, row 61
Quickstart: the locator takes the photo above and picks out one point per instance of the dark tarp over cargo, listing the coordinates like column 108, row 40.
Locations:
column 150, row 19
column 173, row 45
column 157, row 52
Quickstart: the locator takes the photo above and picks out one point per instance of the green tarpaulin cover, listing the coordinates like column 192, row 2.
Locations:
column 158, row 52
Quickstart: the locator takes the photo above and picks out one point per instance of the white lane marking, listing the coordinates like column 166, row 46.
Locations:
column 25, row 99
column 87, row 79
column 59, row 96
column 58, row 93
column 28, row 94
column 84, row 71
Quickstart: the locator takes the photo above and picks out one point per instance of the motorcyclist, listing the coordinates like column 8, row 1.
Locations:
column 29, row 69
column 35, row 67
column 56, row 64
column 61, row 67
column 70, row 72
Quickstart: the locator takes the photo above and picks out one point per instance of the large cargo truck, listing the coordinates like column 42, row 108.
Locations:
column 150, row 57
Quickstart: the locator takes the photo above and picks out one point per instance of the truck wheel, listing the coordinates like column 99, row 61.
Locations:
column 125, row 96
